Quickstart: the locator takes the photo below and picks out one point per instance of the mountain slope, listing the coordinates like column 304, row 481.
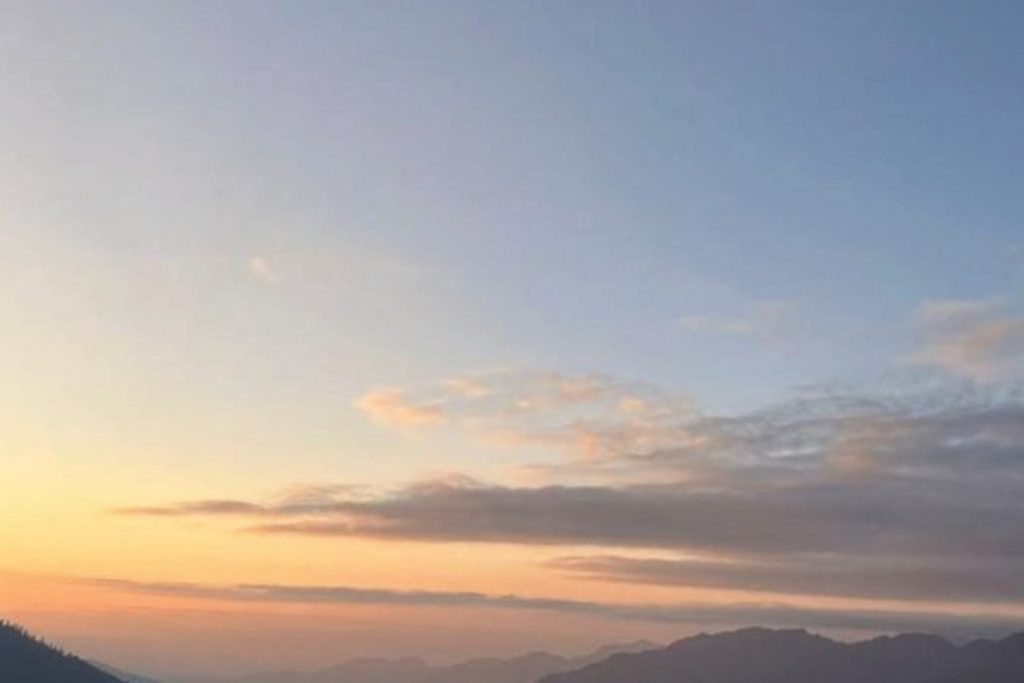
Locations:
column 124, row 676
column 527, row 668
column 524, row 669
column 24, row 659
column 367, row 670
column 768, row 656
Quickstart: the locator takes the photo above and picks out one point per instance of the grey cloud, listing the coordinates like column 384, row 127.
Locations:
column 768, row 320
column 806, row 488
column 777, row 615
column 952, row 312
column 198, row 507
column 900, row 578
column 826, row 517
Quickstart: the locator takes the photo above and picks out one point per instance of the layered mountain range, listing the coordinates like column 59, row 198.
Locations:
column 753, row 655
column 758, row 655
column 527, row 668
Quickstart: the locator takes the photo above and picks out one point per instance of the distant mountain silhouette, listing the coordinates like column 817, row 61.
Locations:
column 366, row 670
column 524, row 669
column 752, row 655
column 25, row 659
column 125, row 676
column 758, row 655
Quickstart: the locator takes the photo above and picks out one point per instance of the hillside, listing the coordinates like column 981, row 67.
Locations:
column 523, row 669
column 768, row 656
column 25, row 659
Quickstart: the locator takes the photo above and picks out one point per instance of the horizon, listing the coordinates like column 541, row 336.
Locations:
column 576, row 661
column 474, row 328
column 900, row 657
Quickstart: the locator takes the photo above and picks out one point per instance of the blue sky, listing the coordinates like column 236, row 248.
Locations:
column 728, row 201
column 575, row 177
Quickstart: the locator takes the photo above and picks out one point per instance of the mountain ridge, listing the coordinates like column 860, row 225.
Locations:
column 750, row 655
column 525, row 668
column 760, row 655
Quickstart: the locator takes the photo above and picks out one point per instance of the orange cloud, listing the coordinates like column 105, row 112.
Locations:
column 976, row 339
column 394, row 407
column 261, row 269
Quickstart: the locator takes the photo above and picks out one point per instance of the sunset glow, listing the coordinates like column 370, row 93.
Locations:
column 355, row 329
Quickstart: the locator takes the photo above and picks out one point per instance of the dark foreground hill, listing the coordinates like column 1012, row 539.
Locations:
column 24, row 659
column 767, row 656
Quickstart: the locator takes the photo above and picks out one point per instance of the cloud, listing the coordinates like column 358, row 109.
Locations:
column 328, row 271
column 260, row 268
column 976, row 339
column 581, row 416
column 912, row 480
column 859, row 576
column 708, row 324
column 394, row 407
column 768, row 321
column 199, row 507
column 893, row 518
column 469, row 387
column 778, row 615
column 946, row 311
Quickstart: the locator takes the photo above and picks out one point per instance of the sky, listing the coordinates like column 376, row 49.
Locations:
column 332, row 329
